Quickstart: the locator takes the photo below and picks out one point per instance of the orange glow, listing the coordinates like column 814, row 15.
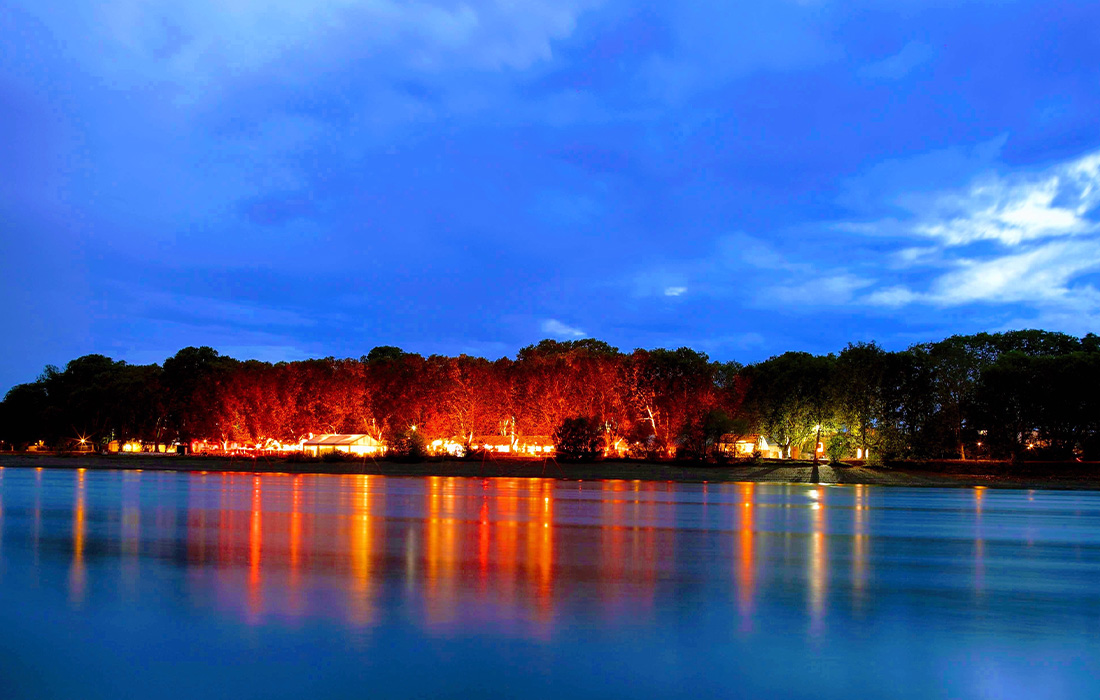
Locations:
column 746, row 562
column 859, row 542
column 77, row 573
column 540, row 541
column 818, row 564
column 483, row 537
column 441, row 551
column 294, row 548
column 362, row 550
column 255, row 551
column 979, row 542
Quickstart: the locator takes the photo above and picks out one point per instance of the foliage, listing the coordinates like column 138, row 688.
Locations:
column 1022, row 394
column 410, row 444
column 579, row 437
column 839, row 446
column 790, row 396
column 701, row 435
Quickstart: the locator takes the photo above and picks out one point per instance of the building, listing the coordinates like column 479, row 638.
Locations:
column 352, row 444
column 499, row 444
column 453, row 447
column 535, row 445
column 745, row 446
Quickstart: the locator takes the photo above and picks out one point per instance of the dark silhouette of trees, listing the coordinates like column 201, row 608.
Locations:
column 579, row 437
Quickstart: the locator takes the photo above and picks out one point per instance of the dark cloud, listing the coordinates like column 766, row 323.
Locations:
column 295, row 179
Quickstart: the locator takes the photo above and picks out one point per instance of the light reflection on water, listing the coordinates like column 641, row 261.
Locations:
column 604, row 588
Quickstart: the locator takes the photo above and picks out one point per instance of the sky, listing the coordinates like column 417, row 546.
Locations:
column 283, row 179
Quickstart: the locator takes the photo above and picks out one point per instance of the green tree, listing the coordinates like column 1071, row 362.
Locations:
column 790, row 398
column 857, row 387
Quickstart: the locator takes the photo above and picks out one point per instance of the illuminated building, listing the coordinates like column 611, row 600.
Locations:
column 352, row 444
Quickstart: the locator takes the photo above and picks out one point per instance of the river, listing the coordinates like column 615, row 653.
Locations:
column 178, row 585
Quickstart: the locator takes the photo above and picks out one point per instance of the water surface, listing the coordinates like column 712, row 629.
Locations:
column 129, row 584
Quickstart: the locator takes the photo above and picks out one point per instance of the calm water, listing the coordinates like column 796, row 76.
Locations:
column 127, row 584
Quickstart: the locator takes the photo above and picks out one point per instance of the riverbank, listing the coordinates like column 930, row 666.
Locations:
column 994, row 475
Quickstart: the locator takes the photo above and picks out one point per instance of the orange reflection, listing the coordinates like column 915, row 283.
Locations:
column 979, row 541
column 859, row 542
column 77, row 573
column 36, row 529
column 612, row 557
column 630, row 546
column 818, row 563
column 746, row 563
column 484, row 530
column 294, row 577
column 540, row 542
column 507, row 540
column 440, row 550
column 362, row 550
column 255, row 551
column 256, row 542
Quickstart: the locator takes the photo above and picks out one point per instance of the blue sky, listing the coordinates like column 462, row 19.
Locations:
column 283, row 179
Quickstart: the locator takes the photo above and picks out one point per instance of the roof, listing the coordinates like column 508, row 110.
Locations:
column 536, row 440
column 752, row 437
column 492, row 440
column 345, row 439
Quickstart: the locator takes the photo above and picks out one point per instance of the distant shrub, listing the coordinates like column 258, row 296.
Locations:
column 579, row 437
column 409, row 445
column 839, row 447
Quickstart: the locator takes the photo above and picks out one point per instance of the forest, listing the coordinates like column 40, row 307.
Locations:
column 1013, row 395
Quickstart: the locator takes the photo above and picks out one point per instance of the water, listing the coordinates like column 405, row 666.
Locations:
column 142, row 584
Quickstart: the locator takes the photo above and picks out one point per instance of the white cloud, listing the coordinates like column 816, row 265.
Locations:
column 1009, row 210
column 1024, row 239
column 1039, row 275
column 558, row 329
column 674, row 291
column 1042, row 276
column 830, row 290
column 1008, row 213
column 892, row 296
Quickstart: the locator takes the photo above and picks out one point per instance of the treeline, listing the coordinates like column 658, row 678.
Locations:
column 1000, row 395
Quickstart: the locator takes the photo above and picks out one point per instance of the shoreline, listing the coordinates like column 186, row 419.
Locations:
column 1069, row 477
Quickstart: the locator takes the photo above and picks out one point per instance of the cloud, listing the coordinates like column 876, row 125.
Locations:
column 674, row 291
column 203, row 42
column 829, row 290
column 1009, row 210
column 558, row 329
column 1039, row 275
column 901, row 64
column 1024, row 239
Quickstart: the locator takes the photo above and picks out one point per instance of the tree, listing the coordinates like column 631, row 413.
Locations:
column 410, row 444
column 579, row 437
column 195, row 380
column 23, row 414
column 839, row 446
column 701, row 435
column 857, row 388
column 789, row 398
column 666, row 387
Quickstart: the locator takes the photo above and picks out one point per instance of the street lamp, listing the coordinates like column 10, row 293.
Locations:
column 817, row 443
